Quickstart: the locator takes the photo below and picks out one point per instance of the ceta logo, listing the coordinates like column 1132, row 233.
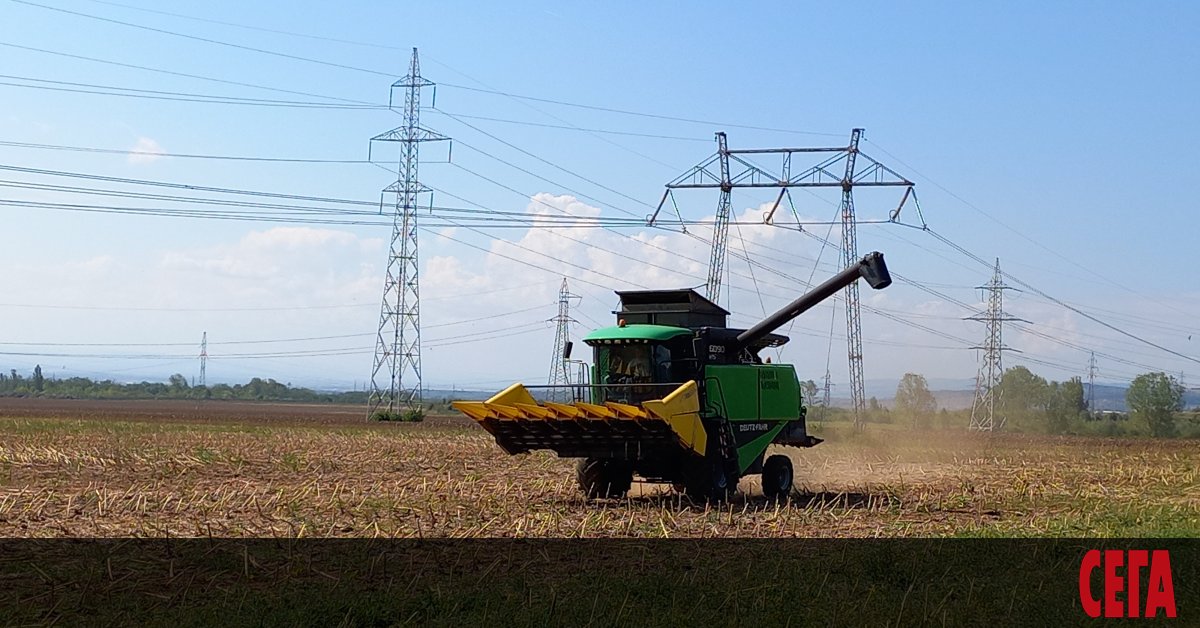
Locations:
column 1158, row 588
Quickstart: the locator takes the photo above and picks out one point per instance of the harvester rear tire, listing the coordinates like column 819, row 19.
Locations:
column 777, row 477
column 604, row 478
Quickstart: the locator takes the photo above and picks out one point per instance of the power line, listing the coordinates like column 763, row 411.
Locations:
column 169, row 309
column 287, row 218
column 502, row 336
column 566, row 127
column 208, row 40
column 174, row 73
column 488, row 214
column 381, row 73
column 577, row 193
column 1049, row 337
column 1006, row 274
column 179, row 344
column 182, row 186
column 1067, row 305
column 215, row 99
column 113, row 151
column 147, row 94
column 253, row 28
column 1026, row 237
column 513, row 259
column 514, row 147
column 634, row 113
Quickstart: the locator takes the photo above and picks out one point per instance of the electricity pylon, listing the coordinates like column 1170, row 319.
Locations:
column 1091, row 400
column 204, row 359
column 560, row 374
column 732, row 168
column 396, row 376
column 991, row 369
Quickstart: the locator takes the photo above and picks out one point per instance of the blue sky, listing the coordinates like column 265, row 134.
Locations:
column 1057, row 136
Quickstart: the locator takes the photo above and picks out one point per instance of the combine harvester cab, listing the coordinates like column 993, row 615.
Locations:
column 674, row 396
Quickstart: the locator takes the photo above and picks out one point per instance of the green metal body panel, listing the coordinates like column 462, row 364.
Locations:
column 650, row 333
column 748, row 453
column 758, row 400
column 743, row 392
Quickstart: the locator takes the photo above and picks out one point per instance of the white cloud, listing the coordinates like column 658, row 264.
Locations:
column 145, row 151
column 283, row 254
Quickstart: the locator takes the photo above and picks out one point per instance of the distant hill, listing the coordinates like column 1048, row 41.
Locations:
column 1113, row 397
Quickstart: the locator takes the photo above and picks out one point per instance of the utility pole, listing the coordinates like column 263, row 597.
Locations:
column 396, row 373
column 203, row 359
column 560, row 374
column 1091, row 401
column 983, row 409
column 844, row 167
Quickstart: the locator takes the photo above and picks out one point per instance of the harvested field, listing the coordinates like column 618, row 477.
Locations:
column 265, row 470
column 208, row 411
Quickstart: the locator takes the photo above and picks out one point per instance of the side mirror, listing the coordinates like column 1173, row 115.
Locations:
column 567, row 350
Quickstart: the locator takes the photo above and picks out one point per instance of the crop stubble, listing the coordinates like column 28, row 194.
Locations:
column 153, row 469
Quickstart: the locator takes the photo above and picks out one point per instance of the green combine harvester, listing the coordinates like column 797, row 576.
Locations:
column 675, row 396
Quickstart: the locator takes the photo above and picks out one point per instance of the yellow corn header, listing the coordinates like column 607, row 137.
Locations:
column 519, row 423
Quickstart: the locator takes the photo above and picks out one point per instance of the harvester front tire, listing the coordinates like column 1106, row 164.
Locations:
column 777, row 477
column 710, row 483
column 604, row 478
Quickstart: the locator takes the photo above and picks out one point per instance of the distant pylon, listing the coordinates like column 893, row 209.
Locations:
column 828, row 360
column 983, row 409
column 396, row 375
column 560, row 374
column 1091, row 400
column 203, row 359
column 825, row 397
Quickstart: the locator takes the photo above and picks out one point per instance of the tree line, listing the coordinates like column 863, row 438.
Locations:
column 1026, row 402
column 35, row 384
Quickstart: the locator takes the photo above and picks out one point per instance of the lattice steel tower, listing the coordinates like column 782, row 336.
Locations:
column 720, row 239
column 850, row 257
column 396, row 375
column 1091, row 400
column 560, row 374
column 983, row 409
column 825, row 396
column 203, row 359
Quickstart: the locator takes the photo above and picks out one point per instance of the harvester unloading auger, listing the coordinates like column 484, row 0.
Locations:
column 674, row 397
